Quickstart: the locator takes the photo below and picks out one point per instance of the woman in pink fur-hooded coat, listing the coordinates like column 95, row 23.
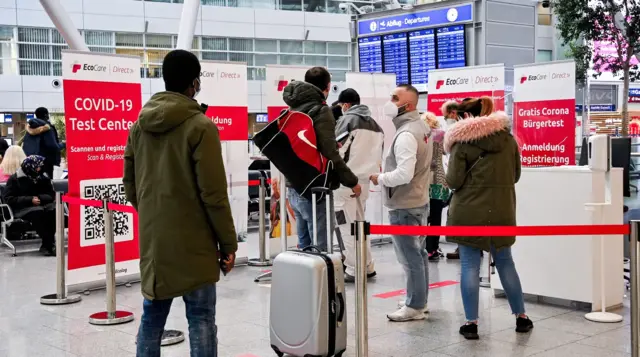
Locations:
column 484, row 166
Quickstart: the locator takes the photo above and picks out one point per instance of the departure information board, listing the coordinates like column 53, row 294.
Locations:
column 411, row 55
column 396, row 56
column 451, row 47
column 422, row 52
column 370, row 54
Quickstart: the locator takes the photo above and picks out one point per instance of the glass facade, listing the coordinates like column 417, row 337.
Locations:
column 34, row 51
column 330, row 6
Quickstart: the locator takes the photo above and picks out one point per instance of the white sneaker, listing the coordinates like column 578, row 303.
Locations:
column 406, row 314
column 402, row 303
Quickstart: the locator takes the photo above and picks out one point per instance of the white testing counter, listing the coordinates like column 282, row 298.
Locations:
column 567, row 267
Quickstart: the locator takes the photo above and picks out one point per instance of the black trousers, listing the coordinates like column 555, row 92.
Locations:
column 43, row 220
column 434, row 219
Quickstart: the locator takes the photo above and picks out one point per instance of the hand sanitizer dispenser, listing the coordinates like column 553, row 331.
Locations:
column 600, row 153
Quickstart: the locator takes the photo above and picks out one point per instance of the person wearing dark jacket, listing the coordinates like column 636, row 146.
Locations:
column 174, row 177
column 30, row 195
column 310, row 97
column 484, row 166
column 42, row 139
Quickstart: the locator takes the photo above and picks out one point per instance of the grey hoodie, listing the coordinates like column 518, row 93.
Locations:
column 362, row 142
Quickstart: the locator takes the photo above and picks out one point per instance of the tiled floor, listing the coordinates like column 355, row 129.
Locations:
column 28, row 329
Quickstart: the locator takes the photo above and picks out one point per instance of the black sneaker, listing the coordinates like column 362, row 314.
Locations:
column 455, row 255
column 434, row 257
column 48, row 252
column 523, row 325
column 348, row 278
column 469, row 331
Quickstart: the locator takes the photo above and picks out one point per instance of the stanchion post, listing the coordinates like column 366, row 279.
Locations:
column 283, row 214
column 111, row 316
column 262, row 260
column 635, row 289
column 361, row 232
column 60, row 297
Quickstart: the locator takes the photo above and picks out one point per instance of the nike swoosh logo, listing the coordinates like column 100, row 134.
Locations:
column 304, row 138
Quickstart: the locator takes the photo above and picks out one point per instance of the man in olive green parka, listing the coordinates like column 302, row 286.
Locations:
column 174, row 176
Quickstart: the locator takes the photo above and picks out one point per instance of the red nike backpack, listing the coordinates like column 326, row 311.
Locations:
column 289, row 142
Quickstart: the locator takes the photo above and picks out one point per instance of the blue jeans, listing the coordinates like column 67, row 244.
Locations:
column 412, row 255
column 470, row 259
column 303, row 209
column 201, row 314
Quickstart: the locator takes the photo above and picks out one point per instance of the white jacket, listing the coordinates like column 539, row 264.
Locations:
column 362, row 141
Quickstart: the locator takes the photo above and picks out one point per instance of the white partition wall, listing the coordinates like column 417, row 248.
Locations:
column 278, row 77
column 224, row 90
column 375, row 90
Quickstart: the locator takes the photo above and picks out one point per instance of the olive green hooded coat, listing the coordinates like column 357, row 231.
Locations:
column 174, row 176
column 484, row 195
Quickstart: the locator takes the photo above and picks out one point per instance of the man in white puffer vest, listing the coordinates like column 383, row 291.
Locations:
column 362, row 141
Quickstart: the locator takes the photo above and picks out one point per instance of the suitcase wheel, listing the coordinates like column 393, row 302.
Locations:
column 277, row 351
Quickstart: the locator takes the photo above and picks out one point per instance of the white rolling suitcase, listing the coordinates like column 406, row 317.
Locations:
column 308, row 315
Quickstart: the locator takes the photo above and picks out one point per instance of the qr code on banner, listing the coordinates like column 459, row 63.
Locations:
column 92, row 218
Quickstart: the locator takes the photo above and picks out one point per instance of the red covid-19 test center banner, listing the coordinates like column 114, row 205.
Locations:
column 465, row 82
column 102, row 100
column 277, row 78
column 544, row 119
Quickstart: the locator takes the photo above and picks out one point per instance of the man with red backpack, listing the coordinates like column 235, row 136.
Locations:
column 309, row 97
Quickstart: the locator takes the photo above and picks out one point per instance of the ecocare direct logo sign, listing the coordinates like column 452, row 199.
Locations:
column 459, row 83
column 108, row 68
column 224, row 89
column 544, row 113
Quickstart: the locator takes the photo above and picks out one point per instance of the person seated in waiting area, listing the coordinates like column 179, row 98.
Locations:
column 11, row 162
column 30, row 195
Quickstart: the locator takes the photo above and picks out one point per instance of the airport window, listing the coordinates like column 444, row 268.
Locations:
column 129, row 40
column 336, row 48
column 315, row 47
column 214, row 43
column 316, row 60
column 315, row 5
column 290, row 46
column 158, row 41
column 263, row 60
column 544, row 15
column 237, row 44
column 291, row 59
column 99, row 38
column 38, row 51
column 544, row 56
column 267, row 46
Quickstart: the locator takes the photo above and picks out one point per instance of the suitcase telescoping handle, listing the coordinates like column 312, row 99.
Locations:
column 328, row 203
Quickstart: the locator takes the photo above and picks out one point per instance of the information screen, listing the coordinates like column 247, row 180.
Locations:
column 422, row 50
column 396, row 56
column 411, row 55
column 370, row 53
column 451, row 47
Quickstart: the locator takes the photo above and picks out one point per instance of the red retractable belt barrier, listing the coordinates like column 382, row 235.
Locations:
column 257, row 182
column 81, row 201
column 502, row 231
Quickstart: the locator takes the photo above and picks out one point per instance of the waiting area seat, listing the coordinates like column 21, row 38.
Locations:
column 15, row 231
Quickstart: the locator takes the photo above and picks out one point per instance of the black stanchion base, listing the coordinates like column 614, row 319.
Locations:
column 172, row 337
column 52, row 299
column 256, row 262
column 103, row 318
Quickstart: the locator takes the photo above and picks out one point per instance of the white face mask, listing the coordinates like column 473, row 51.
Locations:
column 390, row 110
column 199, row 88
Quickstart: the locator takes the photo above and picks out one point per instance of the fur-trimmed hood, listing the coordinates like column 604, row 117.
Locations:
column 479, row 131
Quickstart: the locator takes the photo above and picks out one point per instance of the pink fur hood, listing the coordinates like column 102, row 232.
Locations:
column 473, row 129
